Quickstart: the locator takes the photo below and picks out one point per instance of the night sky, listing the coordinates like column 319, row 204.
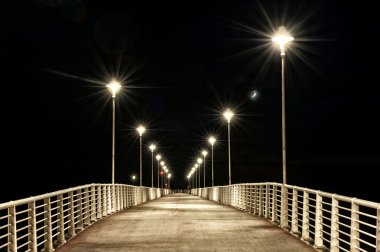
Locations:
column 182, row 63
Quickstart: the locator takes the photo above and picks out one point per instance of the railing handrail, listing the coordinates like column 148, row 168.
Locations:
column 55, row 193
column 321, row 219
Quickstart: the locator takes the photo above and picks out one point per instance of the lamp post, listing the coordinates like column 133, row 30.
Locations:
column 228, row 114
column 114, row 87
column 152, row 147
column 158, row 157
column 282, row 38
column 212, row 140
column 169, row 176
column 141, row 130
column 204, row 153
column 162, row 163
column 196, row 175
column 199, row 161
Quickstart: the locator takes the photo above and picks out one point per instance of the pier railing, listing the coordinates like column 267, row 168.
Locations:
column 47, row 221
column 327, row 221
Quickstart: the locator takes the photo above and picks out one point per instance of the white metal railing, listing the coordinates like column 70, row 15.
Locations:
column 324, row 220
column 47, row 221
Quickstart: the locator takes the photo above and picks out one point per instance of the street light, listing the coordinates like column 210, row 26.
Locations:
column 158, row 157
column 199, row 161
column 169, row 176
column 141, row 130
column 204, row 153
column 197, row 184
column 114, row 87
column 152, row 147
column 228, row 114
column 212, row 140
column 282, row 38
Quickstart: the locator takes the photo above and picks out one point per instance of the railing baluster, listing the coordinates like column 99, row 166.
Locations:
column 295, row 212
column 72, row 214
column 48, row 246
column 32, row 227
column 93, row 203
column 267, row 201
column 378, row 229
column 354, row 237
column 305, row 217
column 80, row 210
column 334, row 243
column 318, row 243
column 61, row 236
column 274, row 204
column 12, row 230
column 87, row 215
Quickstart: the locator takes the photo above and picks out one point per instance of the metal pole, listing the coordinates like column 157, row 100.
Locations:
column 212, row 165
column 229, row 155
column 199, row 176
column 204, row 171
column 152, row 169
column 158, row 173
column 140, row 160
column 284, row 205
column 113, row 139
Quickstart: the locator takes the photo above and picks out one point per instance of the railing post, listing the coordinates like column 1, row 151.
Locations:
column 86, row 207
column 32, row 230
column 267, row 201
column 105, row 199
column 93, row 203
column 334, row 243
column 80, row 209
column 378, row 229
column 48, row 245
column 354, row 238
column 72, row 214
column 305, row 217
column 284, row 207
column 274, row 204
column 294, row 229
column 12, row 230
column 99, row 211
column 318, row 243
column 109, row 199
column 254, row 202
column 250, row 198
column 260, row 200
column 61, row 222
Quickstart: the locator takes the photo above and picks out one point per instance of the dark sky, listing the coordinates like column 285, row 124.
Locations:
column 183, row 63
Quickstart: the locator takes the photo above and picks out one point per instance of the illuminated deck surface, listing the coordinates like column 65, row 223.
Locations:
column 181, row 222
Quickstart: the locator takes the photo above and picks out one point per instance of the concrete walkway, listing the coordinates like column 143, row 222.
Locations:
column 180, row 222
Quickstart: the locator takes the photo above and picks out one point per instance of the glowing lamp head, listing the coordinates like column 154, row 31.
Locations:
column 133, row 177
column 169, row 175
column 141, row 130
column 228, row 114
column 204, row 153
column 162, row 163
column 158, row 157
column 212, row 140
column 199, row 160
column 193, row 169
column 188, row 176
column 152, row 147
column 114, row 87
column 196, row 166
column 281, row 38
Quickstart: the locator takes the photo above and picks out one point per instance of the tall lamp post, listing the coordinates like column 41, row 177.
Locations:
column 162, row 163
column 228, row 114
column 152, row 147
column 196, row 175
column 141, row 130
column 282, row 38
column 169, row 176
column 204, row 153
column 114, row 87
column 199, row 161
column 212, row 140
column 158, row 157
column 133, row 179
